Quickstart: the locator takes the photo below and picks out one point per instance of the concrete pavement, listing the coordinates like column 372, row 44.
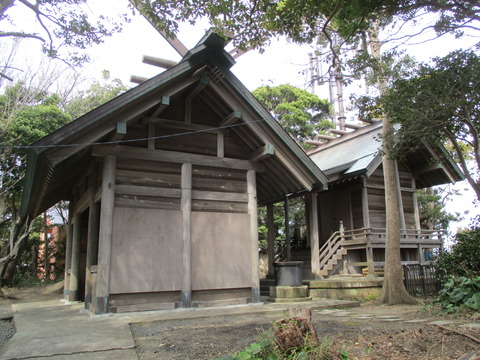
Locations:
column 58, row 330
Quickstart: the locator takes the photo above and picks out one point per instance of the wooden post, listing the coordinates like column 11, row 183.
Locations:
column 270, row 239
column 416, row 211
column 365, row 207
column 92, row 246
column 287, row 230
column 220, row 145
column 105, row 237
column 68, row 251
column 371, row 266
column 75, row 270
column 186, row 296
column 252, row 211
column 314, row 234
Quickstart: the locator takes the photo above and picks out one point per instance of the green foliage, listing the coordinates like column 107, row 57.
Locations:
column 98, row 94
column 61, row 24
column 432, row 210
column 459, row 293
column 301, row 114
column 463, row 259
column 440, row 103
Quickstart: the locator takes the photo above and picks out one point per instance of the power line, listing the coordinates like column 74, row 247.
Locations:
column 129, row 140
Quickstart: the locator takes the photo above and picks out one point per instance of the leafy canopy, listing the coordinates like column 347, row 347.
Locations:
column 301, row 114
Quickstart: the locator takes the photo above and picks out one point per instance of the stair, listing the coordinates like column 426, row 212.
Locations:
column 265, row 286
column 331, row 264
column 305, row 256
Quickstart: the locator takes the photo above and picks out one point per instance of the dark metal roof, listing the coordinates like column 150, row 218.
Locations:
column 359, row 152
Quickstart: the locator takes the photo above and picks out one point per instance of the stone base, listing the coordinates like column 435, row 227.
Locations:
column 345, row 289
column 289, row 294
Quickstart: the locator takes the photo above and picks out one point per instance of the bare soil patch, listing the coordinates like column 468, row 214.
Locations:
column 372, row 338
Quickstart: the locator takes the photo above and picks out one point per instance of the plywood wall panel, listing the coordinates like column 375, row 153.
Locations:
column 221, row 256
column 146, row 251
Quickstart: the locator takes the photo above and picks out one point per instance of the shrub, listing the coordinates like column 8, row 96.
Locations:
column 460, row 293
column 463, row 259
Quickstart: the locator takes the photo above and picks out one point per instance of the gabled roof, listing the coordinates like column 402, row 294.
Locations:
column 57, row 161
column 359, row 152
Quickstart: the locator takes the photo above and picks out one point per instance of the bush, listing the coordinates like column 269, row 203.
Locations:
column 463, row 259
column 460, row 293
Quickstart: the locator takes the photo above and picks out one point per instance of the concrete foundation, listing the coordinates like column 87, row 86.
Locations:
column 289, row 293
column 344, row 288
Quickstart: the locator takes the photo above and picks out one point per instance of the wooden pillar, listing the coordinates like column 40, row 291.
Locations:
column 92, row 246
column 270, row 239
column 68, row 251
column 252, row 211
column 186, row 296
column 365, row 207
column 75, row 269
column 314, row 234
column 287, row 230
column 102, row 288
column 416, row 211
column 400, row 199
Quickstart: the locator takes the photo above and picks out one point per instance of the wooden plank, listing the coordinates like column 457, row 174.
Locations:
column 186, row 297
column 105, row 237
column 252, row 211
column 220, row 185
column 219, row 206
column 174, row 124
column 262, row 153
column 131, row 152
column 220, row 145
column 148, row 178
column 219, row 196
column 147, row 191
column 158, row 203
column 151, row 136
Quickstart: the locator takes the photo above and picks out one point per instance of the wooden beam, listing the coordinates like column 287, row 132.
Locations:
column 131, row 152
column 353, row 126
column 92, row 246
column 220, row 145
column 325, row 137
column 262, row 153
column 252, row 211
column 137, row 79
column 164, row 102
column 102, row 290
column 270, row 239
column 186, row 295
column 219, row 196
column 231, row 118
column 120, row 131
column 75, row 269
column 313, row 142
column 68, row 251
column 188, row 100
column 147, row 191
column 152, row 132
column 339, row 132
column 314, row 233
column 427, row 168
column 159, row 62
column 182, row 126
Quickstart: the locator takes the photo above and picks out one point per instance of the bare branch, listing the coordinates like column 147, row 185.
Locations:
column 21, row 35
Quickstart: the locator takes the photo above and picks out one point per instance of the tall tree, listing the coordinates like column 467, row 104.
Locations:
column 301, row 113
column 440, row 102
column 36, row 119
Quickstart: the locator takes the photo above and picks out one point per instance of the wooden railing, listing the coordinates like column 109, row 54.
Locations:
column 369, row 238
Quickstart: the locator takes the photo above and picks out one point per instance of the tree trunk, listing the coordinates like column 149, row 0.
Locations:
column 8, row 263
column 393, row 290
